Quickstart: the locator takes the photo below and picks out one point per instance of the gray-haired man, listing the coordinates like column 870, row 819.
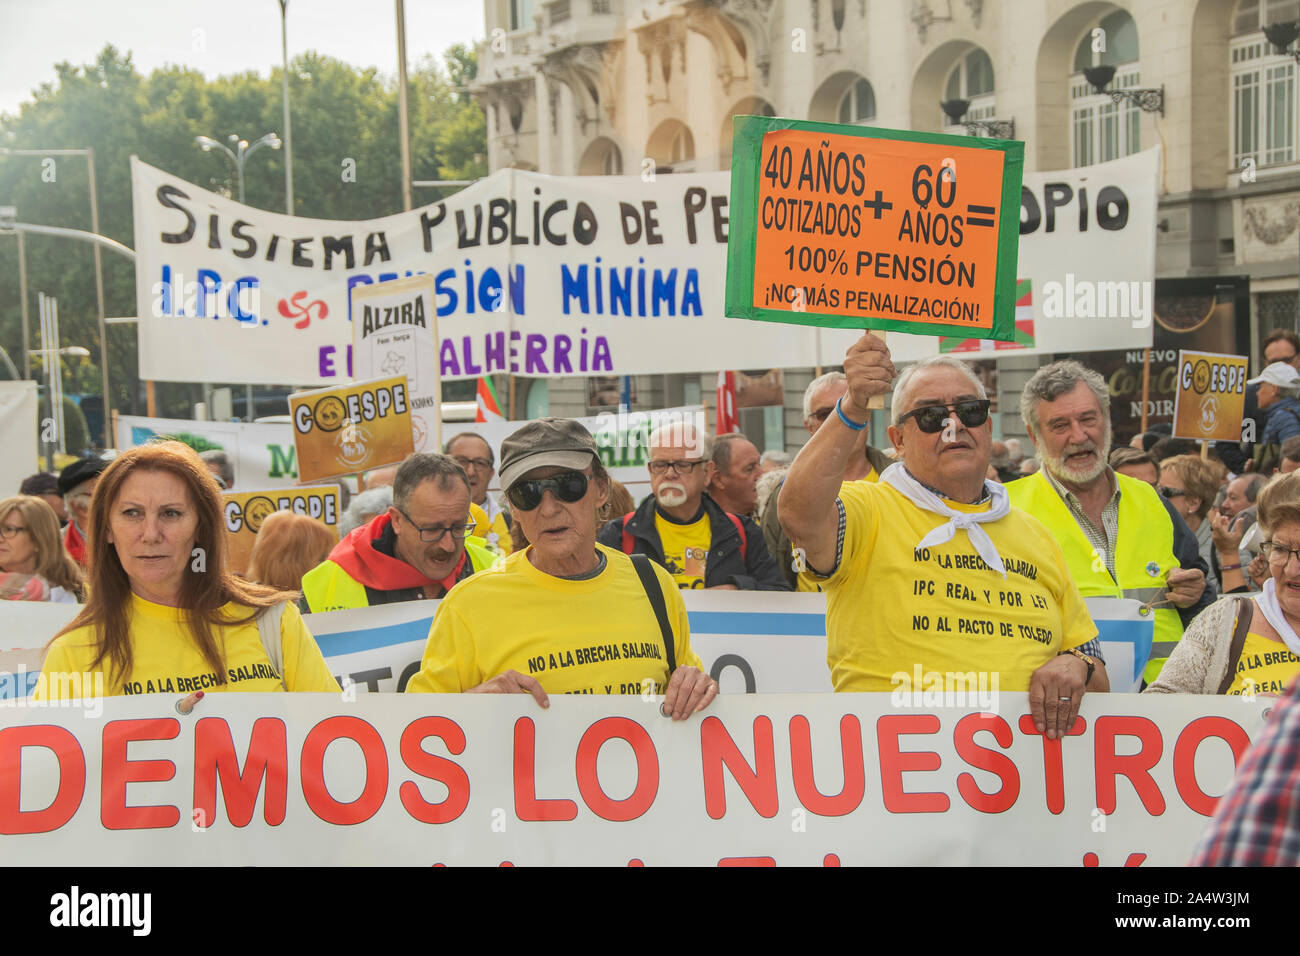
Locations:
column 1120, row 538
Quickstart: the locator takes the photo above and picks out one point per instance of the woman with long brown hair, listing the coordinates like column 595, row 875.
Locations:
column 34, row 563
column 165, row 612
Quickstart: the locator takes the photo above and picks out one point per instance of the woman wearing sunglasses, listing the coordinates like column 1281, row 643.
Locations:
column 929, row 571
column 1248, row 645
column 564, row 615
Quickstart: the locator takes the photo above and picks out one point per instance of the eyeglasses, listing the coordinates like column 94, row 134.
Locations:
column 931, row 418
column 1170, row 492
column 569, row 487
column 678, row 467
column 1276, row 553
column 482, row 464
column 431, row 533
column 8, row 531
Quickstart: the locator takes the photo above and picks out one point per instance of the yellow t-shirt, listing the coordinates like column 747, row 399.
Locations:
column 808, row 581
column 1266, row 666
column 598, row 636
column 686, row 548
column 166, row 658
column 890, row 608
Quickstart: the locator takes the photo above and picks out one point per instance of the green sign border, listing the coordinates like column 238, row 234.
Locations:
column 746, row 163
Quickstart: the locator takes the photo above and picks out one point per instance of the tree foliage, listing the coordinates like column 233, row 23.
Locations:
column 338, row 113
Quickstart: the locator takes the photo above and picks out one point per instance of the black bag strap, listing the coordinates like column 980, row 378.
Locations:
column 1244, row 611
column 646, row 572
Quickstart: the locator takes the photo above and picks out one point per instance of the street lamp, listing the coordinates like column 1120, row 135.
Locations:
column 240, row 154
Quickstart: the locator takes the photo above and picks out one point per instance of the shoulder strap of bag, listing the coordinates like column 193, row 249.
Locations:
column 627, row 543
column 268, row 629
column 650, row 583
column 1238, row 642
column 740, row 530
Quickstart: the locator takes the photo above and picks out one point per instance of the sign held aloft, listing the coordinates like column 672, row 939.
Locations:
column 852, row 227
column 1211, row 395
column 352, row 428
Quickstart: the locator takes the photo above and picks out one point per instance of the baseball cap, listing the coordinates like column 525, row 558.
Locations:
column 558, row 442
column 1280, row 374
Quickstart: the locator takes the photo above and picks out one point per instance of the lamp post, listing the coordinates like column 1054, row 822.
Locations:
column 288, row 131
column 239, row 155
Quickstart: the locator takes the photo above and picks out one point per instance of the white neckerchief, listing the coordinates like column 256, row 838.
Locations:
column 1267, row 602
column 897, row 477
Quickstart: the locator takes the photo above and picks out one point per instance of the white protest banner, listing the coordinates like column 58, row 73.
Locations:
column 263, row 454
column 765, row 642
column 396, row 333
column 534, row 275
column 18, row 433
column 417, row 780
column 1087, row 264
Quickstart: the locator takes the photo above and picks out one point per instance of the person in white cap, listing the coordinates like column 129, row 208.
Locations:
column 1279, row 397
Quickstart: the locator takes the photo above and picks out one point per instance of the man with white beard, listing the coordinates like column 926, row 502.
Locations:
column 1120, row 538
column 683, row 529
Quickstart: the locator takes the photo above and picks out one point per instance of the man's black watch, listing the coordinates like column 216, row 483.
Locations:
column 1090, row 661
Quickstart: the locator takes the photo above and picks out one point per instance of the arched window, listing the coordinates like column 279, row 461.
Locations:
column 1101, row 130
column 858, row 105
column 1264, row 101
column 672, row 147
column 971, row 79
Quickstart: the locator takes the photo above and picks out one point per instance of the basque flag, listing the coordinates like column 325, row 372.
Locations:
column 489, row 409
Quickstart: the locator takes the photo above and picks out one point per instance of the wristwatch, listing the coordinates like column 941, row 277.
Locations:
column 1090, row 661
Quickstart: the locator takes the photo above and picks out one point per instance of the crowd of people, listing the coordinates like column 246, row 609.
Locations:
column 999, row 548
column 946, row 553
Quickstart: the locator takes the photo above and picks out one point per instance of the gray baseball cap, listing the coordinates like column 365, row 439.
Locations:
column 558, row 442
column 1280, row 374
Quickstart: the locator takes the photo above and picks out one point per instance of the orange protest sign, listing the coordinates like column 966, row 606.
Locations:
column 858, row 228
column 351, row 428
column 1211, row 396
column 244, row 512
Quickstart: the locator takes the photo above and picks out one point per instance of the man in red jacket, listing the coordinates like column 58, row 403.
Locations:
column 418, row 549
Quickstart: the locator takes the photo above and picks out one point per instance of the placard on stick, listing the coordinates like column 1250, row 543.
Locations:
column 1211, row 395
column 244, row 512
column 351, row 428
column 855, row 227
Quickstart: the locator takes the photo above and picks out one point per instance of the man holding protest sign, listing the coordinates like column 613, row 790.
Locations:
column 995, row 590
column 565, row 614
column 683, row 529
column 419, row 548
column 1120, row 538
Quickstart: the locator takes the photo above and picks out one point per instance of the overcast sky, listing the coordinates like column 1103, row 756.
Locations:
column 218, row 37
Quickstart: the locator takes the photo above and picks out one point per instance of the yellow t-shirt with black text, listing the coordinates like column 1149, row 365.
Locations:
column 1265, row 667
column 166, row 658
column 807, row 581
column 686, row 548
column 596, row 636
column 890, row 607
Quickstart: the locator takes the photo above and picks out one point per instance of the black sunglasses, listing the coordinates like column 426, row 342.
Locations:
column 930, row 418
column 568, row 487
column 1171, row 492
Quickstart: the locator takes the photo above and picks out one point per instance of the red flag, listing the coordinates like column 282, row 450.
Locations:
column 728, row 419
column 489, row 409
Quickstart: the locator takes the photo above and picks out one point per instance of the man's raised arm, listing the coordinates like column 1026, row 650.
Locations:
column 807, row 502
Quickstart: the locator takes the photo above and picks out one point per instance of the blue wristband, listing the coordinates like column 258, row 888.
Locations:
column 846, row 420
